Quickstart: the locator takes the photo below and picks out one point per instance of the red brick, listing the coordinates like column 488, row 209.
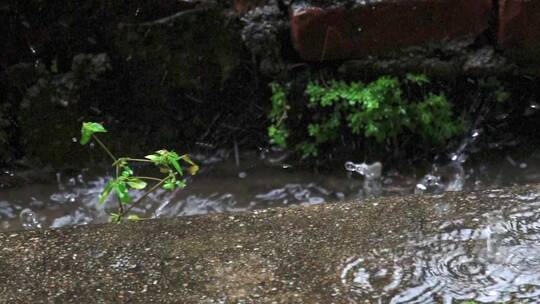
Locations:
column 519, row 24
column 384, row 26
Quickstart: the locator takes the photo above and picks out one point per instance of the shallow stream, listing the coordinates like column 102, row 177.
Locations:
column 230, row 184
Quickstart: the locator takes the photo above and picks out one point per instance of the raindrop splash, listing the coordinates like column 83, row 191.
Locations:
column 29, row 219
column 372, row 176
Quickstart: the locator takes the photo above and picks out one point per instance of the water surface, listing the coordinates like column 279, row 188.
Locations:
column 251, row 181
column 489, row 258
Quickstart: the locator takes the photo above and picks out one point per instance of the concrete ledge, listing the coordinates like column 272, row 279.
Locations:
column 279, row 255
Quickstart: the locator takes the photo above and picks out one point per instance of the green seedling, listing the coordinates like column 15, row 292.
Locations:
column 171, row 165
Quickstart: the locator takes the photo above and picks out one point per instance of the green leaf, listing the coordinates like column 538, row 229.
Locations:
column 162, row 157
column 88, row 129
column 419, row 79
column 168, row 185
column 122, row 192
column 115, row 217
column 106, row 191
column 176, row 165
column 121, row 163
column 180, row 184
column 136, row 183
column 187, row 159
column 162, row 152
column 126, row 171
column 153, row 157
column 278, row 135
column 134, row 217
column 193, row 169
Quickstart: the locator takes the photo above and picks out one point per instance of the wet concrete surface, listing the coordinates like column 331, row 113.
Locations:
column 280, row 255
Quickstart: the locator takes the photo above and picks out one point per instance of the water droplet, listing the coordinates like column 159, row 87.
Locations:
column 29, row 219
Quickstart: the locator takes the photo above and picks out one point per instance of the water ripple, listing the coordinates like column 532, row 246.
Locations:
column 497, row 262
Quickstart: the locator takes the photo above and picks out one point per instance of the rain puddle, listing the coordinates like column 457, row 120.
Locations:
column 495, row 262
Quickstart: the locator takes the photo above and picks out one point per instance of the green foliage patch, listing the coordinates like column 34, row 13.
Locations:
column 381, row 110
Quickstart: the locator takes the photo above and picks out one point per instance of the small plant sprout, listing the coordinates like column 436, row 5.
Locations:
column 171, row 165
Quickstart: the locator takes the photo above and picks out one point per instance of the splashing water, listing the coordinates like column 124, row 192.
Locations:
column 451, row 176
column 372, row 176
column 29, row 219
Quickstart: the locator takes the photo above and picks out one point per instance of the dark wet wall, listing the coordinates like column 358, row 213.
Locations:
column 156, row 73
column 193, row 74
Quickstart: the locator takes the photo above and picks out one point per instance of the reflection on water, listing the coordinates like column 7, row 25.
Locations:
column 499, row 261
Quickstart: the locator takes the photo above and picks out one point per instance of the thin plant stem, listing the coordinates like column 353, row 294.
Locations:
column 132, row 160
column 102, row 145
column 104, row 148
column 120, row 206
column 139, row 160
column 148, row 178
column 122, row 213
